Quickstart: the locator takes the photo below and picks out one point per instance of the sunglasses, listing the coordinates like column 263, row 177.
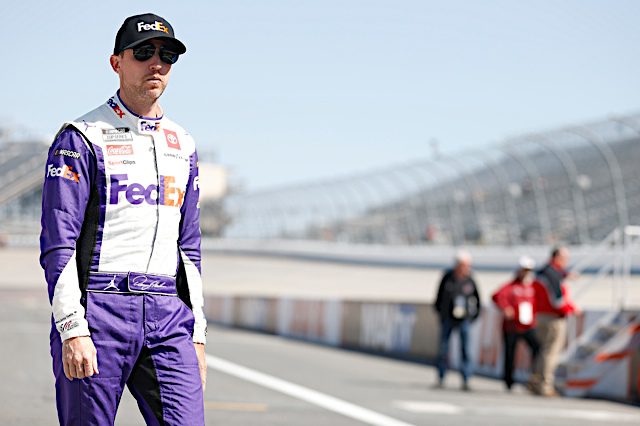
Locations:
column 146, row 51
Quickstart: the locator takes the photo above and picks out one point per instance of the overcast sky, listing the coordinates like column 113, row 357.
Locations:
column 285, row 91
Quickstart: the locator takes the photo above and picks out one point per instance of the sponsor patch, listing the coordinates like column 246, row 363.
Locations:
column 148, row 126
column 114, row 163
column 119, row 134
column 165, row 194
column 65, row 172
column 175, row 155
column 66, row 317
column 67, row 153
column 69, row 325
column 172, row 139
column 126, row 149
column 112, row 285
column 115, row 107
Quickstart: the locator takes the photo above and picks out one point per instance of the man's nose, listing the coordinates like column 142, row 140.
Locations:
column 154, row 62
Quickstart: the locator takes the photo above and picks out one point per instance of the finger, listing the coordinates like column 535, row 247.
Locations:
column 88, row 367
column 95, row 363
column 72, row 371
column 67, row 372
column 79, row 370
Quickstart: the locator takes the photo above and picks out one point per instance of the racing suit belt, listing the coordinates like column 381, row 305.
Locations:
column 131, row 282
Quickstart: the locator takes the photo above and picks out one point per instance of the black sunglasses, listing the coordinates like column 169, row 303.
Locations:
column 146, row 51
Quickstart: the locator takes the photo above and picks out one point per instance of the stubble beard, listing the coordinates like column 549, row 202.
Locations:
column 145, row 96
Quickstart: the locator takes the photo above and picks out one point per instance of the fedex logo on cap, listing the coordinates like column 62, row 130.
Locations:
column 165, row 194
column 172, row 139
column 156, row 26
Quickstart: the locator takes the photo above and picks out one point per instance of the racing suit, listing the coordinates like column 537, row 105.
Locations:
column 120, row 247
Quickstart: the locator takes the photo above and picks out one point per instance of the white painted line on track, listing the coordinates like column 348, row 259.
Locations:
column 305, row 394
column 431, row 407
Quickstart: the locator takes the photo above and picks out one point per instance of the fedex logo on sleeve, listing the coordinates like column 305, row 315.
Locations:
column 165, row 194
column 65, row 172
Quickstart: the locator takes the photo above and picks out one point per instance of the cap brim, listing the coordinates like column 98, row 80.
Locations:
column 180, row 47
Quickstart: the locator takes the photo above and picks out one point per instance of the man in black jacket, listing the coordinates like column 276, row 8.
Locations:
column 458, row 305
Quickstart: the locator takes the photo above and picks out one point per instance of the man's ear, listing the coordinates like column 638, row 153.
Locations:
column 114, row 60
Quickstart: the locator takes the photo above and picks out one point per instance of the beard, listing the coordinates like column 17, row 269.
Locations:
column 145, row 92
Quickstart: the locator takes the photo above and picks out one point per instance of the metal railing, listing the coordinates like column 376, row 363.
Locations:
column 618, row 248
column 572, row 185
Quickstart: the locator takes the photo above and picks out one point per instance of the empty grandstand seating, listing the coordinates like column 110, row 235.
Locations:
column 572, row 185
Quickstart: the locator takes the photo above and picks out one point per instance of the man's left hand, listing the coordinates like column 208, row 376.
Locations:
column 202, row 364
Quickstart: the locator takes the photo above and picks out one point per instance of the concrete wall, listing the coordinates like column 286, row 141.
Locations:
column 405, row 330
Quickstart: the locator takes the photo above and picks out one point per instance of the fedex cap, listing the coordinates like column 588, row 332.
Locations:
column 140, row 28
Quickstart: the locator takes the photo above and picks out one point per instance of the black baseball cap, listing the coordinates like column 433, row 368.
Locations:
column 140, row 28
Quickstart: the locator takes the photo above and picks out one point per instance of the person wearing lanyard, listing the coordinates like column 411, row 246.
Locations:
column 457, row 305
column 516, row 301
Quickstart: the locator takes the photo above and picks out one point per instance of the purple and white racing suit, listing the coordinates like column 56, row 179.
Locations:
column 120, row 247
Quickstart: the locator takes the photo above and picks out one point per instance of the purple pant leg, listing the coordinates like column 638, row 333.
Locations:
column 115, row 322
column 177, row 397
column 144, row 341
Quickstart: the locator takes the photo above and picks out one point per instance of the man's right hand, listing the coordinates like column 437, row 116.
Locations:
column 509, row 313
column 79, row 358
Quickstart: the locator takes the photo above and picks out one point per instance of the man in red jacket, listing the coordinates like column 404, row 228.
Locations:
column 516, row 301
column 553, row 305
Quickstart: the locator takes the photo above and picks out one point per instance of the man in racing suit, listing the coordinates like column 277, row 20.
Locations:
column 120, row 247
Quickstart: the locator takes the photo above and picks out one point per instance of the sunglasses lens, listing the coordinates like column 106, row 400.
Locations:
column 144, row 52
column 168, row 56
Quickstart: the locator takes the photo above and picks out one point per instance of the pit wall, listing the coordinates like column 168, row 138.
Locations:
column 403, row 330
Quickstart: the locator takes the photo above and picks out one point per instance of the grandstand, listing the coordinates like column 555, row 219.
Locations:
column 22, row 165
column 572, row 185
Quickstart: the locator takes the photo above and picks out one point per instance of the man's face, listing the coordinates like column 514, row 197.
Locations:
column 562, row 258
column 463, row 269
column 143, row 79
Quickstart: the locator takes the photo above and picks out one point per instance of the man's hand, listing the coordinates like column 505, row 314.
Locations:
column 509, row 313
column 202, row 364
column 79, row 358
column 573, row 276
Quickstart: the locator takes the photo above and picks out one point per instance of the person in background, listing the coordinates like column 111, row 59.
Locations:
column 458, row 305
column 516, row 301
column 553, row 305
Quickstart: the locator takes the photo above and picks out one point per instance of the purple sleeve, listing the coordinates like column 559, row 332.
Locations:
column 189, row 240
column 67, row 183
column 189, row 245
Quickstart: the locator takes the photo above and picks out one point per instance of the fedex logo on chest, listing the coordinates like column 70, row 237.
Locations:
column 165, row 193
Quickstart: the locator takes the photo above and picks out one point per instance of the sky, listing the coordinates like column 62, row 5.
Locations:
column 290, row 91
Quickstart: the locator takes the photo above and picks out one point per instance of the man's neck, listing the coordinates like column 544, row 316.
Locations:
column 142, row 107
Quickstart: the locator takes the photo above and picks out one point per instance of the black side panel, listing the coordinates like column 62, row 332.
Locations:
column 87, row 239
column 85, row 245
column 181, row 284
column 143, row 383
